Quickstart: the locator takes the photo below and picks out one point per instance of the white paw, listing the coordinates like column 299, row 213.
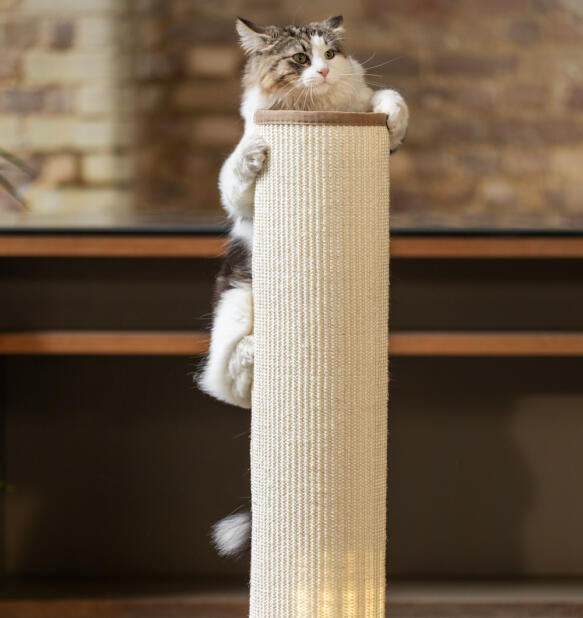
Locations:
column 240, row 370
column 253, row 155
column 391, row 103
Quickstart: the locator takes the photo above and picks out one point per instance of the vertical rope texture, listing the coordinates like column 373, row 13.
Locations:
column 318, row 434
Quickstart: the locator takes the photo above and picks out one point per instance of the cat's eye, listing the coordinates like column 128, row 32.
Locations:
column 300, row 58
column 330, row 54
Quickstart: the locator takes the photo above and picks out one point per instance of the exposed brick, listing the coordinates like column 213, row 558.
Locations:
column 496, row 6
column 475, row 66
column 213, row 61
column 47, row 134
column 526, row 96
column 100, row 31
column 10, row 130
column 102, row 134
column 575, row 98
column 19, row 33
column 218, row 131
column 22, row 101
column 537, row 131
column 52, row 67
column 478, row 163
column 64, row 7
column 106, row 168
column 209, row 96
column 524, row 32
column 9, row 65
column 429, row 164
column 517, row 162
column 565, row 32
column 58, row 100
column 476, row 96
column 498, row 192
column 158, row 65
column 60, row 169
column 567, row 163
column 60, row 34
column 198, row 32
column 455, row 131
column 103, row 97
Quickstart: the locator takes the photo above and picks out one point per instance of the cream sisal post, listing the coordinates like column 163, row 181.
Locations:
column 319, row 414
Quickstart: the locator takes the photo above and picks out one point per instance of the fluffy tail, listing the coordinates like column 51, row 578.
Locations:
column 232, row 534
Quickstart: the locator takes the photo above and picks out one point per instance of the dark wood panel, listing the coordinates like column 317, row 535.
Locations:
column 163, row 599
column 106, row 294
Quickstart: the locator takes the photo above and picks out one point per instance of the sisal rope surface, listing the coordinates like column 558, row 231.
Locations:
column 319, row 413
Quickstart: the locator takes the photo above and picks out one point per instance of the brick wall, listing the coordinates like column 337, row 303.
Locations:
column 104, row 95
column 65, row 103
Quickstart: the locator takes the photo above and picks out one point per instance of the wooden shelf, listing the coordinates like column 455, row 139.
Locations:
column 192, row 343
column 469, row 247
column 190, row 598
column 104, row 342
column 213, row 246
column 120, row 246
column 486, row 344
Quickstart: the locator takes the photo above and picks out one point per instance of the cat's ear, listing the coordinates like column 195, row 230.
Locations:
column 253, row 37
column 334, row 23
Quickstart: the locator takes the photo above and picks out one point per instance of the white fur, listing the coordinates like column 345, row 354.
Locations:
column 238, row 174
column 231, row 534
column 228, row 373
column 242, row 230
column 391, row 103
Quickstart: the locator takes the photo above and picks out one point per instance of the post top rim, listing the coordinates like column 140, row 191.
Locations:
column 284, row 116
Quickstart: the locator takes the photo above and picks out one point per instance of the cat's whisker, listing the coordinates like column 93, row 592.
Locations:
column 382, row 64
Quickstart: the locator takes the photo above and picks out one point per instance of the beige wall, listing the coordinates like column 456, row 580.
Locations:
column 495, row 88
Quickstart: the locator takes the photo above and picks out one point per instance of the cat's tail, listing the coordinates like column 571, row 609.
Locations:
column 232, row 534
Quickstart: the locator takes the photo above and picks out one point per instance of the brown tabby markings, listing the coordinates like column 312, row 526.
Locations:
column 272, row 68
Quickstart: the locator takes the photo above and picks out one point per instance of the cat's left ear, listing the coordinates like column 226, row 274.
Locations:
column 253, row 37
column 334, row 23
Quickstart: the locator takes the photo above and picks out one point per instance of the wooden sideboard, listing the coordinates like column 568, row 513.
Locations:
column 119, row 465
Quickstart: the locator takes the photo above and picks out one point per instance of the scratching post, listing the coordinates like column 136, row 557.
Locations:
column 318, row 429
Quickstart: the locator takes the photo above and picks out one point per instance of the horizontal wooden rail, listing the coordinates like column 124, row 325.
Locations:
column 195, row 246
column 104, row 342
column 192, row 343
column 486, row 344
column 120, row 246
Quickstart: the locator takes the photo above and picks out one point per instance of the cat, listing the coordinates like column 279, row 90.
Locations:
column 293, row 67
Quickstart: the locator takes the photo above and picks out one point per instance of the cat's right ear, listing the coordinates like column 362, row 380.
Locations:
column 253, row 37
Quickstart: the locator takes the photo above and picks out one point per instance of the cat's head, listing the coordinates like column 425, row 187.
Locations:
column 296, row 65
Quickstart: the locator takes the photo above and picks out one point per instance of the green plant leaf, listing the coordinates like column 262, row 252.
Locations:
column 17, row 162
column 5, row 184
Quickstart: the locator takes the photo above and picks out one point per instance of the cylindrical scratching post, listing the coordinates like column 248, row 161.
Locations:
column 319, row 413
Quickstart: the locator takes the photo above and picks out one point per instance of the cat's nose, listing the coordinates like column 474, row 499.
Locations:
column 323, row 72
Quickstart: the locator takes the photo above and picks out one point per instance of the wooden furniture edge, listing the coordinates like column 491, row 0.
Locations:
column 198, row 246
column 402, row 343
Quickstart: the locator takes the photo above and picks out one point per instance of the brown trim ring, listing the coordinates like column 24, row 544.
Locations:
column 360, row 119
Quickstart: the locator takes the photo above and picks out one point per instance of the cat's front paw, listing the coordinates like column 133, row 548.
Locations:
column 253, row 156
column 391, row 103
column 240, row 371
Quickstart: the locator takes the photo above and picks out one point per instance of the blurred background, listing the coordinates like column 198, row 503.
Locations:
column 131, row 105
column 113, row 466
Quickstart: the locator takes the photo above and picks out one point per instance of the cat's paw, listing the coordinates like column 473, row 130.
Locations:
column 391, row 103
column 240, row 370
column 253, row 156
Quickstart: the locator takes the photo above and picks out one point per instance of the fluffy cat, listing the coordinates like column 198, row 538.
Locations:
column 290, row 67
